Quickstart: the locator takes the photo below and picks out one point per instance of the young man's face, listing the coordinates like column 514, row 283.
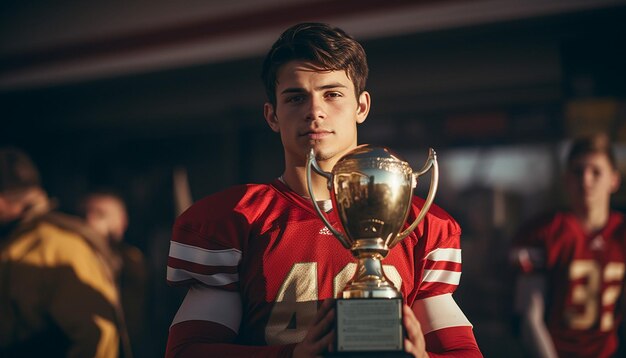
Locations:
column 107, row 216
column 591, row 180
column 315, row 108
column 10, row 209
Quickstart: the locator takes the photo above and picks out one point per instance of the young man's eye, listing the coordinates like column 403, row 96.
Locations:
column 334, row 94
column 295, row 99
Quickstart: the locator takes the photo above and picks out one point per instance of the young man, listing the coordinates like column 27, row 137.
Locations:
column 260, row 266
column 572, row 263
column 58, row 297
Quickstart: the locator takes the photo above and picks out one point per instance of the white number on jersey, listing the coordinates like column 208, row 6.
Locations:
column 296, row 301
column 588, row 294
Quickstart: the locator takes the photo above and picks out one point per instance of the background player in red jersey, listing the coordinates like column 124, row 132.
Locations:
column 572, row 262
column 261, row 268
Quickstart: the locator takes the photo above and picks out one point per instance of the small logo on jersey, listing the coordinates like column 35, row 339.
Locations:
column 325, row 231
column 597, row 243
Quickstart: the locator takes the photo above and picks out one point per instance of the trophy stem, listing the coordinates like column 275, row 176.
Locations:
column 369, row 280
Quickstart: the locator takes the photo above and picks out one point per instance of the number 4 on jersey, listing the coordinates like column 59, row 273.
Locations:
column 297, row 298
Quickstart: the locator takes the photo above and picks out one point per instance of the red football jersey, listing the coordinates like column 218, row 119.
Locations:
column 585, row 277
column 267, row 243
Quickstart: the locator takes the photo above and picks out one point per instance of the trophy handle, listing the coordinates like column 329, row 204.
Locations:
column 434, row 181
column 311, row 162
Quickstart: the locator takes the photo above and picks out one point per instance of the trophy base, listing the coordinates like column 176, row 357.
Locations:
column 369, row 325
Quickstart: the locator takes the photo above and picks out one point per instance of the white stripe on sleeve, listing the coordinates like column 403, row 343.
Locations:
column 228, row 257
column 451, row 255
column 210, row 304
column 218, row 279
column 439, row 312
column 443, row 276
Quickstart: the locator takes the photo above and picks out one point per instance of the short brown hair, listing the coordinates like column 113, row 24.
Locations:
column 330, row 48
column 592, row 144
column 17, row 170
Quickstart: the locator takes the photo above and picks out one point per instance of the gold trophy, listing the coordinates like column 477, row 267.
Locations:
column 371, row 188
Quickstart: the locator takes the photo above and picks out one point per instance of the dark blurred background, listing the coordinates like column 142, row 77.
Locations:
column 123, row 94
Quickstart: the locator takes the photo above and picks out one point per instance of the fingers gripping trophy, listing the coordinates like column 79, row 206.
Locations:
column 371, row 188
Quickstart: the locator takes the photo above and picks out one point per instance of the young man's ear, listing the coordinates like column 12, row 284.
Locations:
column 364, row 107
column 616, row 181
column 270, row 116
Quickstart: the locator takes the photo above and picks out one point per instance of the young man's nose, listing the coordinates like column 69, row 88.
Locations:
column 315, row 109
column 588, row 177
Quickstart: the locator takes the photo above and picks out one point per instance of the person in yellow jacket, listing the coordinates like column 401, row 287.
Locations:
column 57, row 292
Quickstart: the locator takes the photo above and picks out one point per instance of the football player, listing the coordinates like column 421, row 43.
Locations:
column 572, row 262
column 261, row 267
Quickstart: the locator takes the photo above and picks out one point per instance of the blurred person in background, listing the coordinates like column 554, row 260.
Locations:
column 57, row 292
column 105, row 212
column 569, row 292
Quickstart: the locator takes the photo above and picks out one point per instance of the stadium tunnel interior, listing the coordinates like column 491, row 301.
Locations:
column 127, row 95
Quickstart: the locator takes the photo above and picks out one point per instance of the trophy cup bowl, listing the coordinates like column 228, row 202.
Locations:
column 371, row 189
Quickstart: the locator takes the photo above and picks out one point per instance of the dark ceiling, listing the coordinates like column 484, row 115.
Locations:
column 526, row 65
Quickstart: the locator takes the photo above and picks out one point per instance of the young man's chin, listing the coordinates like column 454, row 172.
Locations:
column 325, row 154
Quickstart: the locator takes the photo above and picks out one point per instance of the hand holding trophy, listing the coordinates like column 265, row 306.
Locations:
column 371, row 188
